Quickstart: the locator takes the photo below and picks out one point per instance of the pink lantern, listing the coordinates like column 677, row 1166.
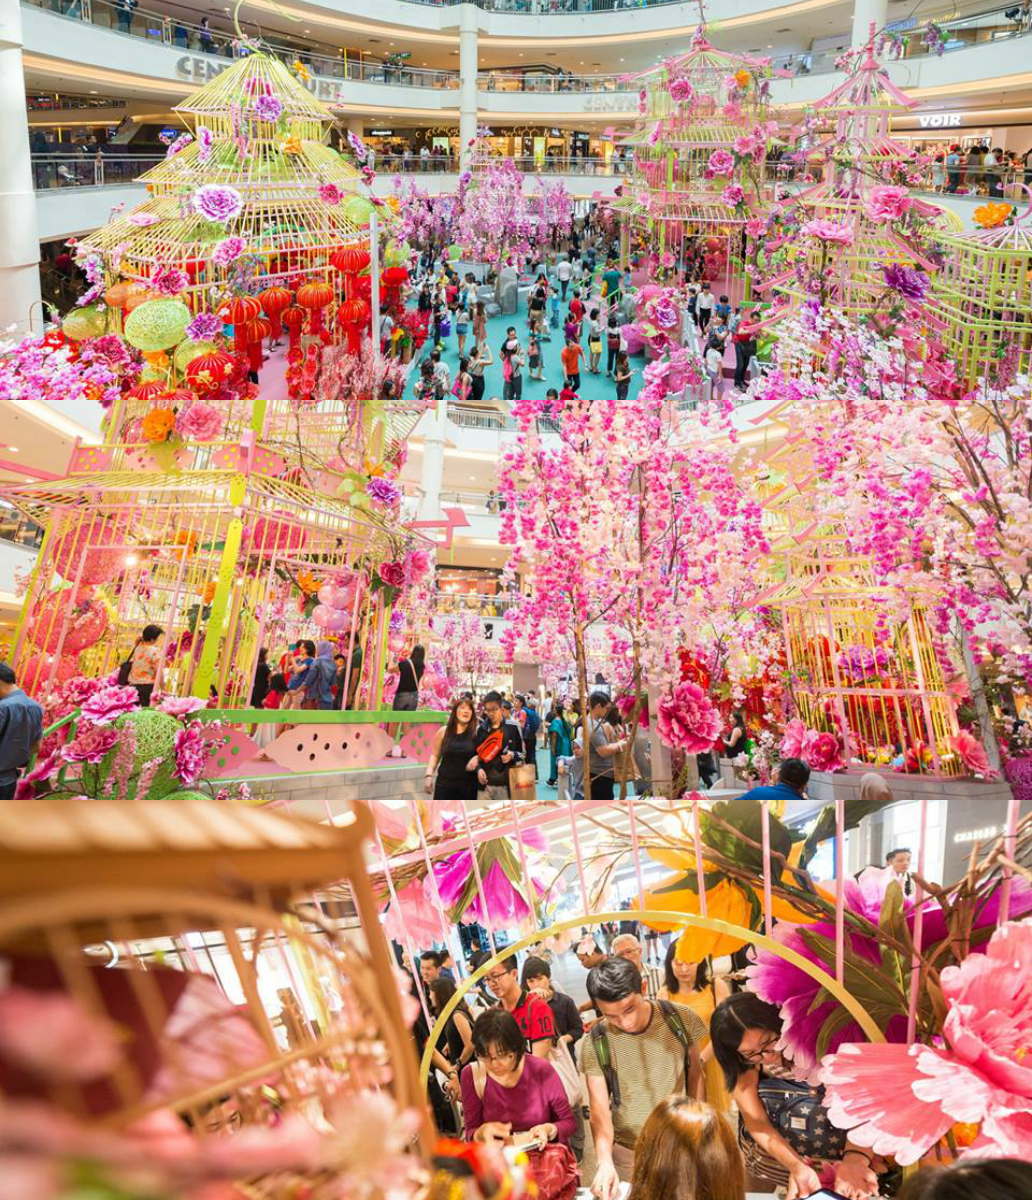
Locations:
column 340, row 620
column 89, row 545
column 322, row 615
column 34, row 674
column 278, row 534
column 86, row 623
column 328, row 595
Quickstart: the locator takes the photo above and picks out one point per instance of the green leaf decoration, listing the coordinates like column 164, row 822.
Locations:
column 837, row 1020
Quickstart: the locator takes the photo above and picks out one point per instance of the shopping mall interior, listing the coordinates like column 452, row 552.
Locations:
column 515, row 600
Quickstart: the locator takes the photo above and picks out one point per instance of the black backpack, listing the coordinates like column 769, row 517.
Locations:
column 600, row 1040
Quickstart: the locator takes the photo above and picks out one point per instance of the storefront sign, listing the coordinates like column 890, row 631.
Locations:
column 612, row 102
column 381, row 132
column 943, row 120
column 198, row 70
column 977, row 835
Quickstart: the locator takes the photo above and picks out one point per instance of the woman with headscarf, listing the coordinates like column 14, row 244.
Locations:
column 320, row 678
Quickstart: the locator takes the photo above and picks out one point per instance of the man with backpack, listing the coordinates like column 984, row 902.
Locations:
column 530, row 732
column 640, row 1052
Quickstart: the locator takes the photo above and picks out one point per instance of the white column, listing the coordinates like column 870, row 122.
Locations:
column 433, row 462
column 866, row 13
column 468, row 15
column 19, row 239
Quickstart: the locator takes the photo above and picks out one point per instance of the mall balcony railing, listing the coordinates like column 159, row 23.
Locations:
column 435, row 164
column 89, row 170
column 466, row 602
column 221, row 42
column 16, row 528
column 494, row 422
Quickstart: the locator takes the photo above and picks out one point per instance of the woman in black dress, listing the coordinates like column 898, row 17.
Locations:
column 410, row 672
column 260, row 688
column 455, row 747
column 458, row 1033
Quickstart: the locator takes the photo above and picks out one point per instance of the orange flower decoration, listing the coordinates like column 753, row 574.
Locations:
column 208, row 595
column 993, row 214
column 291, row 145
column 743, row 79
column 187, row 539
column 307, row 582
column 158, row 424
column 300, row 70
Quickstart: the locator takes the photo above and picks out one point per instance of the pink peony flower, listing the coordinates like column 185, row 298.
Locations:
column 267, row 108
column 216, row 202
column 745, row 144
column 827, row 231
column 191, row 753
column 200, row 423
column 688, row 720
column 732, row 195
column 822, row 751
column 49, row 1034
column 330, row 194
column 180, row 706
column 682, row 91
column 91, row 744
column 169, row 281
column 900, row 1100
column 110, row 703
column 392, row 574
column 228, row 251
column 204, row 327
column 887, row 203
column 721, row 162
column 793, row 739
column 755, row 227
column 142, row 219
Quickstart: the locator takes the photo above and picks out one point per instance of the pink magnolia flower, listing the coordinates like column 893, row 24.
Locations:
column 110, row 703
column 91, row 744
column 688, row 720
column 900, row 1100
column 200, row 423
column 180, row 706
column 721, row 162
column 887, row 203
column 191, row 753
column 51, row 1035
column 827, row 231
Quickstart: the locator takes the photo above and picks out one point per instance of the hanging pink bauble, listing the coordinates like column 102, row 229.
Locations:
column 321, row 616
column 340, row 621
column 85, row 552
column 328, row 595
column 34, row 673
column 276, row 535
column 397, row 643
column 86, row 623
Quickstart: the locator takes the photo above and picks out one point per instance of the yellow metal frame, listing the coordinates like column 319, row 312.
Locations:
column 833, row 987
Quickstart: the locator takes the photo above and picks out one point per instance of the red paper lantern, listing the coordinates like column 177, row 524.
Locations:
column 208, row 372
column 315, row 296
column 394, row 277
column 241, row 310
column 351, row 259
column 146, row 391
column 353, row 316
column 293, row 319
column 257, row 331
column 274, row 300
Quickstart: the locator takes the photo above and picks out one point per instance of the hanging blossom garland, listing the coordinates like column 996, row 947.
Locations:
column 216, row 202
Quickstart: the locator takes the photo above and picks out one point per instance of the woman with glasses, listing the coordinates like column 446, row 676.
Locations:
column 783, row 1128
column 507, row 1092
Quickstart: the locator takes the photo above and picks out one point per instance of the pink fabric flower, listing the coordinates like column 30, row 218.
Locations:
column 91, row 744
column 827, row 231
column 330, row 194
column 900, row 1100
column 688, row 720
column 887, row 203
column 745, row 144
column 142, row 219
column 732, row 195
column 721, row 162
column 392, row 574
column 228, row 251
column 110, row 703
column 169, row 281
column 49, row 1034
column 972, row 754
column 216, row 202
column 200, row 423
column 191, row 753
column 682, row 91
column 822, row 751
column 180, row 706
column 793, row 739
column 267, row 108
column 755, row 227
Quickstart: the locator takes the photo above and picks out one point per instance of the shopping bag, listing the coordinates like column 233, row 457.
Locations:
column 522, row 784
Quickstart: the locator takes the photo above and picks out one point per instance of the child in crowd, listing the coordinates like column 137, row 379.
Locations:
column 534, row 357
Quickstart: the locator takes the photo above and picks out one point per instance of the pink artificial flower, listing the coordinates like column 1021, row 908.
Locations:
column 733, row 195
column 887, row 203
column 330, row 194
column 900, row 1100
column 688, row 720
column 169, row 281
column 200, row 423
column 228, row 251
column 682, row 91
column 91, row 744
column 827, row 231
column 392, row 574
column 142, row 219
column 822, row 751
column 972, row 754
column 51, row 1035
column 721, row 162
column 110, row 703
column 793, row 739
column 191, row 753
column 745, row 144
column 754, row 228
column 180, row 706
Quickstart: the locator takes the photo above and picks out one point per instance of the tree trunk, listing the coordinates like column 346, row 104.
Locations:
column 582, row 683
column 985, row 720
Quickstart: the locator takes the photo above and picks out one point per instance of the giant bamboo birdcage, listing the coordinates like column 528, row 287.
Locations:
column 239, row 994
column 670, row 196
column 983, row 297
column 277, row 167
column 858, row 155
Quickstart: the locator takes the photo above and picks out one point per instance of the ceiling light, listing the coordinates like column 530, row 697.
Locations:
column 93, row 91
column 13, row 449
column 131, row 560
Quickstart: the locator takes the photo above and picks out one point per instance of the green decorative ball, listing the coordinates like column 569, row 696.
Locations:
column 157, row 325
column 358, row 210
column 397, row 255
column 155, row 738
column 82, row 323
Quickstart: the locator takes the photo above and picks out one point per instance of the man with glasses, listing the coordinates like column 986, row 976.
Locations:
column 531, row 1013
column 640, row 1052
column 493, row 772
column 626, row 945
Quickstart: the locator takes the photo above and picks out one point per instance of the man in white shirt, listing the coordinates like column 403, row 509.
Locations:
column 704, row 307
column 563, row 272
column 897, row 868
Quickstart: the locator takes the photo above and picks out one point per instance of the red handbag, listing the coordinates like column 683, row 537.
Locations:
column 555, row 1171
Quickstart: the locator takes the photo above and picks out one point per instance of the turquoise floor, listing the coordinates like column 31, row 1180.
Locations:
column 591, row 385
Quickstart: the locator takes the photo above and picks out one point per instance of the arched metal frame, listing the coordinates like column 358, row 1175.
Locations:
column 660, row 916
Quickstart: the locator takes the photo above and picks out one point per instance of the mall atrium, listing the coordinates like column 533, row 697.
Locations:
column 515, row 600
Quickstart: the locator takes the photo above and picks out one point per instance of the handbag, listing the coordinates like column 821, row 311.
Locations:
column 555, row 1171
column 797, row 1112
column 491, row 746
column 560, row 1058
column 125, row 669
column 522, row 784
